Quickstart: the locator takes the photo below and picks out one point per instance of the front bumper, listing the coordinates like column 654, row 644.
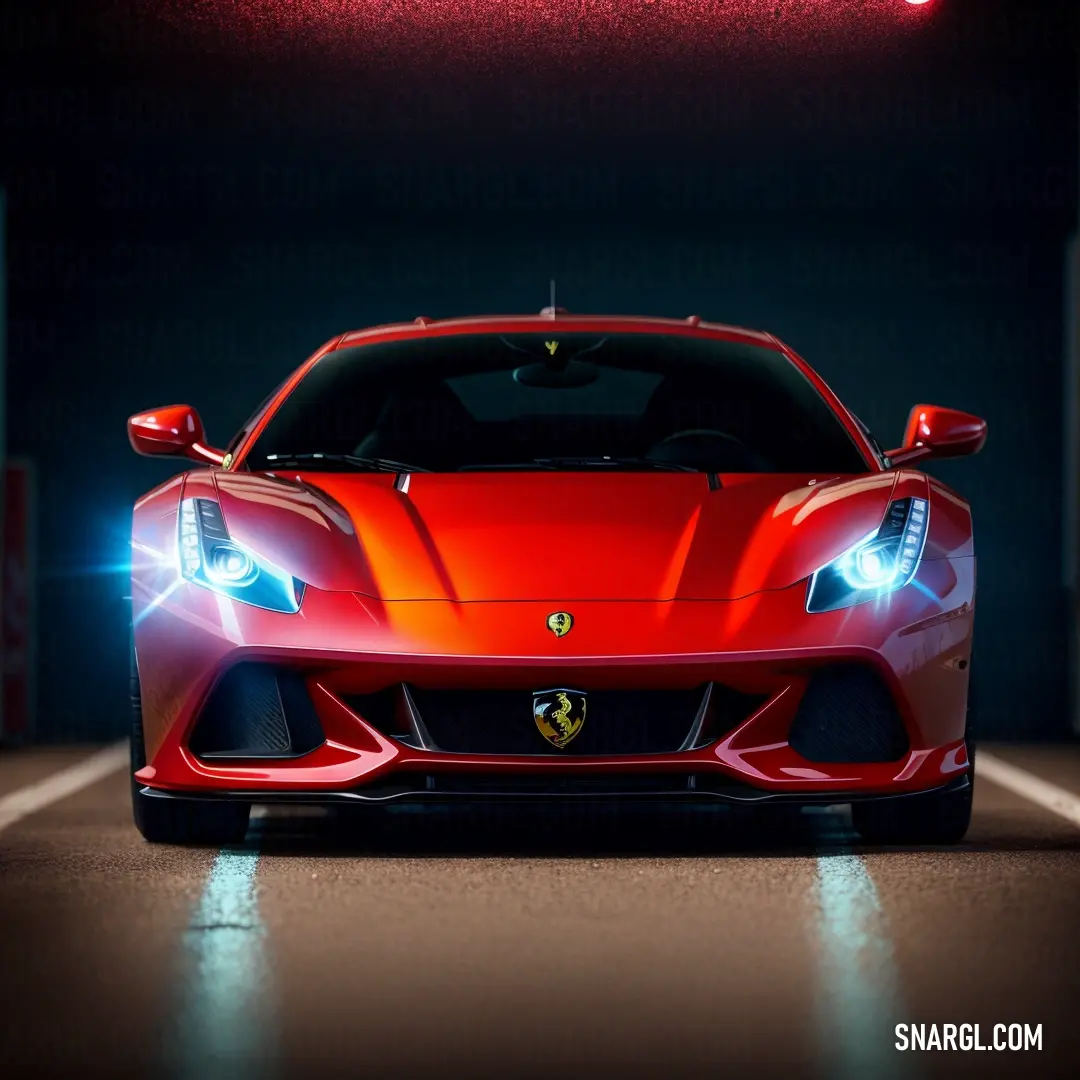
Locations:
column 917, row 642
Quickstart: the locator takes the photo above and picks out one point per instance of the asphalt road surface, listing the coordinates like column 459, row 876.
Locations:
column 543, row 944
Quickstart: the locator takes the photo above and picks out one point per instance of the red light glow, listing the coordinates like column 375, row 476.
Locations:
column 459, row 31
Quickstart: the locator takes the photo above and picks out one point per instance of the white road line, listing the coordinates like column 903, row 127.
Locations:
column 860, row 997
column 34, row 797
column 1028, row 786
column 225, row 1025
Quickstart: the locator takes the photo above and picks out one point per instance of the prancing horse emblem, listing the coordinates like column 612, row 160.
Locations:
column 551, row 346
column 560, row 623
column 559, row 714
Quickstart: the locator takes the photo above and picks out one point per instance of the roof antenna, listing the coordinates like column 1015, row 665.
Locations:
column 551, row 311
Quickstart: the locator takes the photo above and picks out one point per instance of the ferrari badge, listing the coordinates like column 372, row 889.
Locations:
column 559, row 714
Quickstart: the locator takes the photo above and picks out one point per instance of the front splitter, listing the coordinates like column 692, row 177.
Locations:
column 384, row 794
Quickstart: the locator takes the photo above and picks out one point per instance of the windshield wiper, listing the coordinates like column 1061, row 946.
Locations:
column 613, row 463
column 571, row 463
column 365, row 464
column 381, row 464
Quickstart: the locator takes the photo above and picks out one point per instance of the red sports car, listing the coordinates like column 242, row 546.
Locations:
column 553, row 556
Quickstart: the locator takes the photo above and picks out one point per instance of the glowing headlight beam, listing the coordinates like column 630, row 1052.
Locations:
column 157, row 601
column 209, row 557
column 877, row 565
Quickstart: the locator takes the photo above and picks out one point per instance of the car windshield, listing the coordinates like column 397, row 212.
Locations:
column 554, row 400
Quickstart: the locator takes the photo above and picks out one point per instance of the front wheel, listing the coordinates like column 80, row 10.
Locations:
column 173, row 820
column 937, row 817
column 189, row 821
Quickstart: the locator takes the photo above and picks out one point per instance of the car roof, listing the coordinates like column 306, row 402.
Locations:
column 548, row 321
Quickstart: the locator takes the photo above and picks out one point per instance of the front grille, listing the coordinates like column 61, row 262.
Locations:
column 500, row 722
column 257, row 711
column 847, row 716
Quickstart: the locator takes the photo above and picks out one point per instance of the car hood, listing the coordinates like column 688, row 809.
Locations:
column 556, row 536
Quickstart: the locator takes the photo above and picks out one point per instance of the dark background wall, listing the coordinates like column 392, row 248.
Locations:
column 200, row 194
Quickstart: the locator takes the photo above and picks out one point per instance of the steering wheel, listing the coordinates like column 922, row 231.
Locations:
column 704, row 448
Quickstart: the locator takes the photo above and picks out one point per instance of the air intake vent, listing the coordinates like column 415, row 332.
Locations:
column 257, row 711
column 847, row 716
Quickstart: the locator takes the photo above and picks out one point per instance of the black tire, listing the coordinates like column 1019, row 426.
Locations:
column 172, row 820
column 937, row 817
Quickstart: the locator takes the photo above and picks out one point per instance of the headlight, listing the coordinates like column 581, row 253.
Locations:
column 883, row 561
column 209, row 557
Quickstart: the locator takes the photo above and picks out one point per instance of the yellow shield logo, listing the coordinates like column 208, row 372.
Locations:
column 560, row 623
column 559, row 715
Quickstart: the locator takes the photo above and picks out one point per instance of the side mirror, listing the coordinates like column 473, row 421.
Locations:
column 172, row 431
column 933, row 431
